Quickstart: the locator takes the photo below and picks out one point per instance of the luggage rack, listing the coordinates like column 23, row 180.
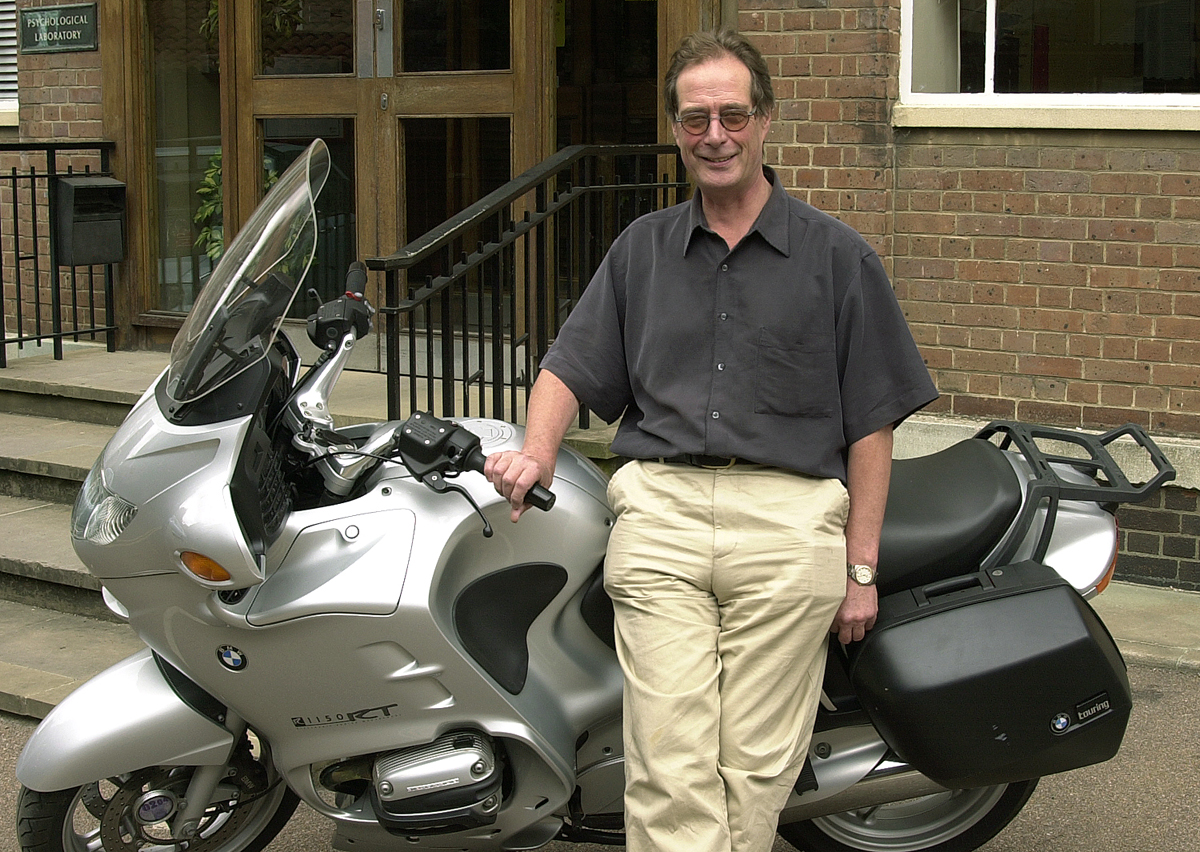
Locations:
column 1110, row 485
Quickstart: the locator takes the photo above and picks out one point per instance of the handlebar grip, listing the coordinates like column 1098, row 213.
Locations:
column 356, row 279
column 539, row 496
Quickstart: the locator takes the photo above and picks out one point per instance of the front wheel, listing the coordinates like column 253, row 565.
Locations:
column 132, row 813
column 954, row 821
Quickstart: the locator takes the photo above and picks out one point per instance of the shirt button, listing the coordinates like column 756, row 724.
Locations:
column 716, row 415
column 721, row 366
column 723, row 316
column 724, row 267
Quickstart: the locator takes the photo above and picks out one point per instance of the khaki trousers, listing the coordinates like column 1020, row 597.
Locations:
column 724, row 584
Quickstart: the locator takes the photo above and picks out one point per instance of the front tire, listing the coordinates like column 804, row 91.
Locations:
column 955, row 821
column 131, row 813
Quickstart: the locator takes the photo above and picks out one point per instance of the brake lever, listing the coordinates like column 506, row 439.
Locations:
column 440, row 484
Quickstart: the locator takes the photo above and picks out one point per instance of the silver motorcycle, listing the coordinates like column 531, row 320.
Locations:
column 345, row 616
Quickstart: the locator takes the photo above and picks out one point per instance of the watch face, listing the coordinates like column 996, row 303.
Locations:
column 863, row 575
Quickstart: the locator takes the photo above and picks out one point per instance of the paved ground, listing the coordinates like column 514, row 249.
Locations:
column 1146, row 799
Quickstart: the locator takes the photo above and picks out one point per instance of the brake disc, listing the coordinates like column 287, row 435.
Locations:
column 135, row 817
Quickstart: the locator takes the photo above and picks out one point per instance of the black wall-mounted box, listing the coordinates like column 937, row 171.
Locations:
column 91, row 220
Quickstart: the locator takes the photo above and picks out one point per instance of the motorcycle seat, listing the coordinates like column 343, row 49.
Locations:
column 945, row 513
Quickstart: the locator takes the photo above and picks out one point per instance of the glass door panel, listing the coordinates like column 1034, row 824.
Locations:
column 306, row 37
column 607, row 63
column 284, row 139
column 187, row 147
column 454, row 35
column 449, row 164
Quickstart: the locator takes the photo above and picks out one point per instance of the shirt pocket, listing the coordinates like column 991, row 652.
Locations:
column 795, row 376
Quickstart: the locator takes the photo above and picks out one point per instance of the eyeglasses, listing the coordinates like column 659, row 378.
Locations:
column 733, row 120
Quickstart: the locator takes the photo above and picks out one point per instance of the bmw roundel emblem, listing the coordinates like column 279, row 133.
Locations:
column 1060, row 723
column 231, row 658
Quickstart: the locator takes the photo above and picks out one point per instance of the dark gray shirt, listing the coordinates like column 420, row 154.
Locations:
column 783, row 351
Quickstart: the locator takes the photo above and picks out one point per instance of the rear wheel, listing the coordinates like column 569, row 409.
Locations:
column 954, row 821
column 132, row 813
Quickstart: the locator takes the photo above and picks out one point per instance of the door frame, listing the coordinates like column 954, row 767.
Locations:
column 525, row 93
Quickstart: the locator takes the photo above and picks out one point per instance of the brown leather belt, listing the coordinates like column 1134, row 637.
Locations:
column 706, row 462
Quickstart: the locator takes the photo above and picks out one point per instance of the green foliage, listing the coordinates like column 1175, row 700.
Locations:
column 210, row 214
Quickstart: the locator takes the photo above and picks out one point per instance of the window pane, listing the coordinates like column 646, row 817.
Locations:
column 455, row 35
column 607, row 61
column 306, row 38
column 187, row 146
column 972, row 45
column 284, row 139
column 1095, row 46
column 449, row 164
column 8, row 50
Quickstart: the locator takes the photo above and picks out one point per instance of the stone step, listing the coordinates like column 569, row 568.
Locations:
column 44, row 458
column 45, row 654
column 91, row 386
column 38, row 565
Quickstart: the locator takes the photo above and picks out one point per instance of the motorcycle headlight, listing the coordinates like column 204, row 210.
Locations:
column 99, row 515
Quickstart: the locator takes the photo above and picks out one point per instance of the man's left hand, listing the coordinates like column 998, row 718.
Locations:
column 857, row 613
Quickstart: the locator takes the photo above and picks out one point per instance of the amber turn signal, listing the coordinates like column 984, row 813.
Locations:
column 204, row 568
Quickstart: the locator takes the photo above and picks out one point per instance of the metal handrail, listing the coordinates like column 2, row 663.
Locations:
column 551, row 225
column 520, row 186
column 33, row 220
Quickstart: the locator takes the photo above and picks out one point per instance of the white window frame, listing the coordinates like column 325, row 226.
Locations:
column 9, row 113
column 1131, row 111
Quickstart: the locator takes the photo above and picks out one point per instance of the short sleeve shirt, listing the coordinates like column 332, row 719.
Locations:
column 783, row 351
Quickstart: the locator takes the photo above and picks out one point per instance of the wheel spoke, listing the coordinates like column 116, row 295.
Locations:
column 115, row 814
column 952, row 820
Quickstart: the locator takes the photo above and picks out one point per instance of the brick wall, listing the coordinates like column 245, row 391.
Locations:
column 1159, row 540
column 1054, row 276
column 59, row 92
column 834, row 65
column 1049, row 276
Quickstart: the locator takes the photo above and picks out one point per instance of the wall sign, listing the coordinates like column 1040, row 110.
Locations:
column 58, row 29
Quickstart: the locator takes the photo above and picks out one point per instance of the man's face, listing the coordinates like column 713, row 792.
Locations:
column 723, row 163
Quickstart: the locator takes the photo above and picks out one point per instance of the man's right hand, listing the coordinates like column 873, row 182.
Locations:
column 513, row 474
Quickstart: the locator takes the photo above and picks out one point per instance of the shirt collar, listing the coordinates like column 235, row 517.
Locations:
column 771, row 225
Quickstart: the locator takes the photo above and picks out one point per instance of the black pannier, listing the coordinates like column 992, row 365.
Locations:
column 993, row 677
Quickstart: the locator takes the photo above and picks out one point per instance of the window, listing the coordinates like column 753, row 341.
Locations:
column 8, row 62
column 1128, row 58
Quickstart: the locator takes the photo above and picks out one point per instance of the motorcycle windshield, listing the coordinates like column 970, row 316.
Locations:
column 239, row 311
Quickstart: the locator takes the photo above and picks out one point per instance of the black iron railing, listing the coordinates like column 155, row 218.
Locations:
column 42, row 301
column 470, row 307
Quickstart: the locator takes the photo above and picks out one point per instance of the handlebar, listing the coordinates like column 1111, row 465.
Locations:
column 539, row 496
column 431, row 449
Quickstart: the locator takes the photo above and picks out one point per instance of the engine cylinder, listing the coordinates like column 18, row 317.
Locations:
column 452, row 784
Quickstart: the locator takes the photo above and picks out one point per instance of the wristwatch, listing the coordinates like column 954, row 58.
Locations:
column 864, row 575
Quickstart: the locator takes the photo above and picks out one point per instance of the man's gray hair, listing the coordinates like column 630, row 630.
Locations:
column 703, row 46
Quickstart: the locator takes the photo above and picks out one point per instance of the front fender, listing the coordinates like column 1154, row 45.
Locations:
column 123, row 719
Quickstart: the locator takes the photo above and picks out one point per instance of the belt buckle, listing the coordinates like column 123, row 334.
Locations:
column 728, row 464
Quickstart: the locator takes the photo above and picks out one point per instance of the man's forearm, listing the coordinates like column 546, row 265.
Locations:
column 869, row 468
column 552, row 410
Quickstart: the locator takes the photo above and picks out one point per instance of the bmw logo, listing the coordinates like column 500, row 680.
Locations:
column 231, row 658
column 1060, row 723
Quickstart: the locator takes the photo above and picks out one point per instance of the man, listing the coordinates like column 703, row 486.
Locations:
column 758, row 360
